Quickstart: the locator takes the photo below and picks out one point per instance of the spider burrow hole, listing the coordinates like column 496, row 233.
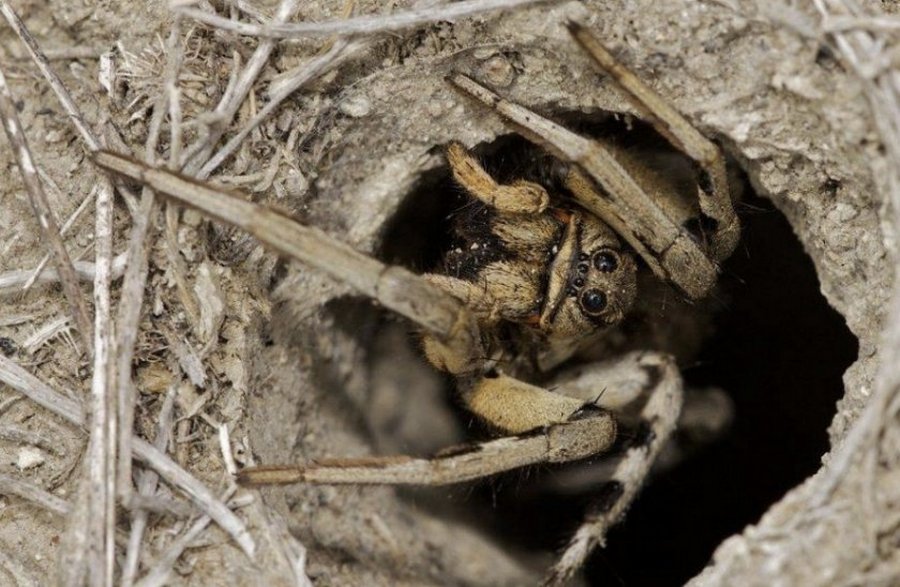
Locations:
column 766, row 337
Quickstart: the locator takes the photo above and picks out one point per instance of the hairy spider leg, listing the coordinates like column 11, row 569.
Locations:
column 562, row 429
column 713, row 191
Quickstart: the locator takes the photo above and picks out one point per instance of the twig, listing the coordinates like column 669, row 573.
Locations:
column 43, row 213
column 203, row 497
column 132, row 295
column 27, row 384
column 62, row 94
column 360, row 25
column 73, row 566
column 225, row 447
column 160, row 504
column 101, row 457
column 226, row 109
column 34, row 494
column 147, row 482
column 67, row 225
column 65, row 54
column 159, row 574
column 294, row 80
column 46, row 332
column 176, row 263
column 11, row 282
column 886, row 23
column 179, row 270
column 249, row 9
column 34, row 389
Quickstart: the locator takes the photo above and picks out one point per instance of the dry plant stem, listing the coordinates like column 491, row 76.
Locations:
column 18, row 435
column 835, row 24
column 207, row 502
column 339, row 52
column 160, row 504
column 179, row 269
column 160, row 573
column 45, row 332
column 34, row 494
column 147, row 483
column 231, row 102
column 73, row 556
column 248, row 9
column 104, row 422
column 44, row 214
column 132, row 294
column 127, row 319
column 65, row 54
column 360, row 25
column 11, row 282
column 62, row 94
column 71, row 410
column 67, row 225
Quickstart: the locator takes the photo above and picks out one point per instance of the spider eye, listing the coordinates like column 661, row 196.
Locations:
column 593, row 301
column 606, row 261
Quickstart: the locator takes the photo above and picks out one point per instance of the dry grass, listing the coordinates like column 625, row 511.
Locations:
column 127, row 477
column 110, row 483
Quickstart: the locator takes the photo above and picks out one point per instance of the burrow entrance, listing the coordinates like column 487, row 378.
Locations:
column 775, row 346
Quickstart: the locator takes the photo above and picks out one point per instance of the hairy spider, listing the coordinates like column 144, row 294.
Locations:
column 535, row 277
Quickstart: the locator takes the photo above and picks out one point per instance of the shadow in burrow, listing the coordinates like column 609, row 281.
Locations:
column 771, row 340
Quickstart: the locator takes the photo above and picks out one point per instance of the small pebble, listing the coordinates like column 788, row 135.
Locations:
column 29, row 457
column 498, row 71
column 356, row 106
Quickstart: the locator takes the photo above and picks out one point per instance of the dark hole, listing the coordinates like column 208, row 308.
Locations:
column 780, row 351
column 777, row 348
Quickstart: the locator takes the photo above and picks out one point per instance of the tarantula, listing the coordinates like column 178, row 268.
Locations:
column 535, row 276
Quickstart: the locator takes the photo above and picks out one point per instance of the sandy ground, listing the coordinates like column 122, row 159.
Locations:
column 298, row 369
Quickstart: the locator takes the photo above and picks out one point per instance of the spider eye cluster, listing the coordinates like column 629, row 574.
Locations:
column 593, row 301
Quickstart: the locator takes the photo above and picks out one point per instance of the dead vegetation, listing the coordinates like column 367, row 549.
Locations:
column 151, row 376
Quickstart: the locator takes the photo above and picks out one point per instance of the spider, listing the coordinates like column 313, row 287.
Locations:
column 537, row 276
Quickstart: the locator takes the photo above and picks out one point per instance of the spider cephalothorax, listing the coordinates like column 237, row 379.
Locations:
column 543, row 264
column 555, row 268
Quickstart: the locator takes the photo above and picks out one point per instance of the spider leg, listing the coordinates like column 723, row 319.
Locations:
column 501, row 292
column 546, row 428
column 439, row 313
column 714, row 193
column 521, row 197
column 563, row 429
column 667, row 247
column 558, row 443
column 652, row 377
